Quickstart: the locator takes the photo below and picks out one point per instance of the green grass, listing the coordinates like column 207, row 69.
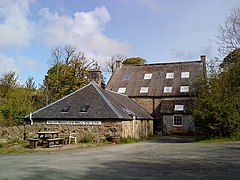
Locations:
column 218, row 139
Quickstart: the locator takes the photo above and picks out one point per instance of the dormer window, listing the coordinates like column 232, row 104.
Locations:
column 169, row 75
column 185, row 74
column 148, row 76
column 84, row 108
column 184, row 89
column 65, row 108
column 179, row 108
column 121, row 90
column 144, row 90
column 167, row 89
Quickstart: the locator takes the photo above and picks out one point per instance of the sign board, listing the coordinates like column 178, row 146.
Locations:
column 86, row 123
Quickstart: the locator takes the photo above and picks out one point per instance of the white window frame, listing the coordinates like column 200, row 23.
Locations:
column 144, row 90
column 122, row 90
column 178, row 125
column 184, row 89
column 169, row 75
column 185, row 74
column 167, row 89
column 148, row 76
column 178, row 107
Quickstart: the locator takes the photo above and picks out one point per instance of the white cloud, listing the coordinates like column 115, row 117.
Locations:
column 8, row 64
column 84, row 30
column 15, row 28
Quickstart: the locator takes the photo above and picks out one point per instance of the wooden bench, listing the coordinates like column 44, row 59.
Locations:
column 33, row 142
column 57, row 142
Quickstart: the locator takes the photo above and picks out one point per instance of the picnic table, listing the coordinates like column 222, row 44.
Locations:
column 51, row 138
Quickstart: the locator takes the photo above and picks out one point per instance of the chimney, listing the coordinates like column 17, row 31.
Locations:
column 117, row 65
column 203, row 59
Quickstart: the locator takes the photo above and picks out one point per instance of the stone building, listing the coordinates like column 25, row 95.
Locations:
column 94, row 111
column 165, row 90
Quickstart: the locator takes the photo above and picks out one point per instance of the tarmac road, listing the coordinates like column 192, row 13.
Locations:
column 161, row 158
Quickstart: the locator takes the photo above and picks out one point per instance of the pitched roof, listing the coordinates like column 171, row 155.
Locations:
column 151, row 79
column 92, row 102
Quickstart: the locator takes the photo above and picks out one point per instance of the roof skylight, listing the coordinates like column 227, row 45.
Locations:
column 66, row 108
column 84, row 108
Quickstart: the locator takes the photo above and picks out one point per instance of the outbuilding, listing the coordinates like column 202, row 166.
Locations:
column 94, row 111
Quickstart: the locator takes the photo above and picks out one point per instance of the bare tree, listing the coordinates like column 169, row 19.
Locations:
column 229, row 33
column 110, row 64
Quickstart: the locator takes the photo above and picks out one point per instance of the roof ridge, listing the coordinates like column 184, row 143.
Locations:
column 61, row 99
column 107, row 101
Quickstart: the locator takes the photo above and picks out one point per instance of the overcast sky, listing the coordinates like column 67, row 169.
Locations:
column 157, row 30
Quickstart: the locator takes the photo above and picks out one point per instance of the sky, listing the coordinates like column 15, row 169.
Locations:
column 156, row 30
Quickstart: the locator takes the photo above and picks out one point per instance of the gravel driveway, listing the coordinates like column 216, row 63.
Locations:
column 160, row 158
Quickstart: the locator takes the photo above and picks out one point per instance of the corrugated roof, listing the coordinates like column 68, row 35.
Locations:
column 158, row 81
column 102, row 104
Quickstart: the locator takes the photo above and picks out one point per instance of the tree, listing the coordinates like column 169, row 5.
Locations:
column 110, row 64
column 217, row 108
column 8, row 81
column 229, row 33
column 134, row 60
column 67, row 74
column 30, row 84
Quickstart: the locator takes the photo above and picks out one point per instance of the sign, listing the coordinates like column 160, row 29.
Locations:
column 86, row 123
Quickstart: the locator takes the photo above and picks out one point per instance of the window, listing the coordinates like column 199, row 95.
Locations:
column 84, row 108
column 121, row 90
column 184, row 74
column 148, row 76
column 169, row 75
column 144, row 90
column 184, row 89
column 127, row 77
column 130, row 113
column 167, row 89
column 177, row 120
column 179, row 108
column 66, row 108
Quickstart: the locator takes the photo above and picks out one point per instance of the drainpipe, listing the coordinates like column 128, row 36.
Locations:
column 30, row 117
column 133, row 126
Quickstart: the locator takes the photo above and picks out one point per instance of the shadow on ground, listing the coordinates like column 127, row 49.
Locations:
column 173, row 139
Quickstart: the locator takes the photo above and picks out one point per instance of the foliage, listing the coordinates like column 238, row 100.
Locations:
column 66, row 75
column 18, row 104
column 229, row 33
column 7, row 81
column 217, row 108
column 30, row 84
column 129, row 140
column 134, row 60
column 86, row 139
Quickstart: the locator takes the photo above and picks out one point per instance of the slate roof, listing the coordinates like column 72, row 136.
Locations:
column 102, row 104
column 131, row 77
column 168, row 106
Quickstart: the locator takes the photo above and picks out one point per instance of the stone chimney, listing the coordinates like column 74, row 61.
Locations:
column 117, row 65
column 203, row 60
column 95, row 75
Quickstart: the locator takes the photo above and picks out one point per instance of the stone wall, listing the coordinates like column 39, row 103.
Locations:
column 188, row 124
column 123, row 128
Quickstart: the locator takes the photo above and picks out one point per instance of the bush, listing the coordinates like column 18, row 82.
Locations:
column 129, row 140
column 86, row 139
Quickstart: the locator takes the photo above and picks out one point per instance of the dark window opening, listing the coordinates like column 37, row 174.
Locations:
column 177, row 121
column 84, row 108
column 66, row 108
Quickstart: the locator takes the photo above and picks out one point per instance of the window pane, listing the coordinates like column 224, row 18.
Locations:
column 177, row 121
column 179, row 107
column 167, row 89
column 121, row 90
column 184, row 74
column 148, row 76
column 184, row 89
column 127, row 77
column 144, row 90
column 169, row 75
